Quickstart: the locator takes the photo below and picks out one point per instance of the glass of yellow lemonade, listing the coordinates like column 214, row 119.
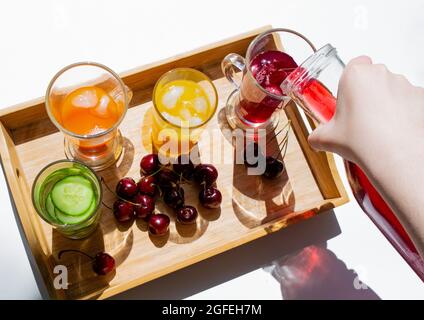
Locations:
column 184, row 100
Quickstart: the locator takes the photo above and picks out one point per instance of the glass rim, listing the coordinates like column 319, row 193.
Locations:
column 215, row 107
column 310, row 67
column 79, row 64
column 98, row 205
column 253, row 44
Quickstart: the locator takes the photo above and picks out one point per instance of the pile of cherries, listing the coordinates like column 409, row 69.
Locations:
column 164, row 181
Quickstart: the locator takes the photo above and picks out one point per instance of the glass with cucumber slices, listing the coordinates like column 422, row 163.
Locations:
column 67, row 195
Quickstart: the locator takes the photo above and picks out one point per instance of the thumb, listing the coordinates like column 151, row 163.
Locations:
column 322, row 138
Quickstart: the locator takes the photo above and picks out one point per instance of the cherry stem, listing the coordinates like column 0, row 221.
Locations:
column 74, row 250
column 182, row 178
column 120, row 198
column 281, row 130
column 157, row 171
column 160, row 190
column 106, row 205
column 283, row 143
column 203, row 184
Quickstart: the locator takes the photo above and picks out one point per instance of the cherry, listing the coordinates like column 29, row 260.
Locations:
column 186, row 214
column 123, row 210
column 274, row 168
column 174, row 198
column 167, row 179
column 103, row 263
column 147, row 185
column 159, row 224
column 183, row 166
column 205, row 174
column 252, row 154
column 126, row 188
column 145, row 205
column 210, row 197
column 149, row 164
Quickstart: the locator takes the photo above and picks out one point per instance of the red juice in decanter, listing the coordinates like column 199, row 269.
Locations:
column 269, row 68
column 313, row 86
column 323, row 105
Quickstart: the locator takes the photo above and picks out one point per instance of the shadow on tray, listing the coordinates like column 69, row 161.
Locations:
column 264, row 252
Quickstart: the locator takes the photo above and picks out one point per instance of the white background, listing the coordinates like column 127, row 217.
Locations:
column 39, row 37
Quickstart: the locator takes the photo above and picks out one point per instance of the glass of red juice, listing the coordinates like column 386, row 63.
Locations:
column 313, row 86
column 258, row 93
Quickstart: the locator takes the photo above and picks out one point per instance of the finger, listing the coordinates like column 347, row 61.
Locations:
column 359, row 60
column 320, row 138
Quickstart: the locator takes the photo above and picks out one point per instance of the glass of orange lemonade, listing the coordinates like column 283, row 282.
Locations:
column 87, row 101
column 184, row 100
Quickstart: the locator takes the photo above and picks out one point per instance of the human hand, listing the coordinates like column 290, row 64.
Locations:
column 379, row 114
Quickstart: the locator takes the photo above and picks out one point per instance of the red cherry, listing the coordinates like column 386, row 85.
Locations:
column 210, row 198
column 186, row 214
column 167, row 179
column 103, row 263
column 123, row 210
column 205, row 173
column 147, row 185
column 149, row 164
column 183, row 166
column 274, row 168
column 174, row 197
column 145, row 205
column 126, row 188
column 159, row 224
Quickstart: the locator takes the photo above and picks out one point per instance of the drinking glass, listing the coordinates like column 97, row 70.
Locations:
column 45, row 181
column 87, row 101
column 251, row 105
column 177, row 119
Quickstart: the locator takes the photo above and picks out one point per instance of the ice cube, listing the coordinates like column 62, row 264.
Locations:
column 170, row 98
column 185, row 114
column 96, row 130
column 102, row 108
column 200, row 105
column 173, row 119
column 195, row 121
column 86, row 99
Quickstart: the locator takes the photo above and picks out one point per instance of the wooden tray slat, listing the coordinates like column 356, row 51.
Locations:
column 251, row 207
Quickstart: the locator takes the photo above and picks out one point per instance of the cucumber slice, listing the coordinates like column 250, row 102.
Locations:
column 68, row 219
column 72, row 195
column 79, row 179
column 50, row 207
column 73, row 171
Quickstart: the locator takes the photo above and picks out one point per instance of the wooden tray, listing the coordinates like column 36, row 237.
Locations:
column 251, row 207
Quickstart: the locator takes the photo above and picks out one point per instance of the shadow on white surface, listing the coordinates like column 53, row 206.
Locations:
column 315, row 272
column 241, row 260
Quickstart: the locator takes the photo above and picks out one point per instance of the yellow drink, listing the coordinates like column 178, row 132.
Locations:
column 183, row 103
column 182, row 108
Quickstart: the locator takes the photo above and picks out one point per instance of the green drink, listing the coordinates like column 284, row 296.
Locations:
column 67, row 195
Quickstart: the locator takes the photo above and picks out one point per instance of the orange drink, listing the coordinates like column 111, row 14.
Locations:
column 87, row 101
